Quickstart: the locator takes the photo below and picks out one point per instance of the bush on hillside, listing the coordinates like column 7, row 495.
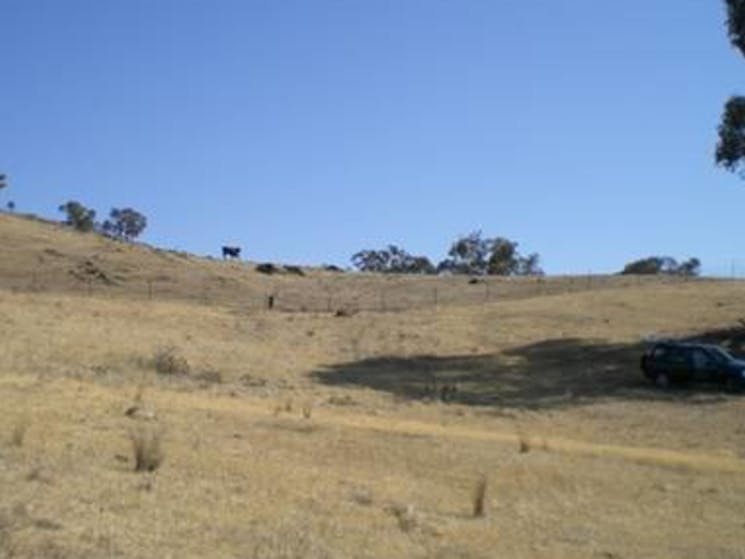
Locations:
column 78, row 216
column 124, row 223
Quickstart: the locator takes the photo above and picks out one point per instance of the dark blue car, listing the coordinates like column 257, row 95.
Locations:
column 669, row 362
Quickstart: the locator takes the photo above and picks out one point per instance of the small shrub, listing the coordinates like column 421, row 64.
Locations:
column 479, row 497
column 307, row 411
column 267, row 268
column 146, row 449
column 167, row 361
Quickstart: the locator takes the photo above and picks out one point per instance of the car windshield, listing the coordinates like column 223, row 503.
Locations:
column 719, row 354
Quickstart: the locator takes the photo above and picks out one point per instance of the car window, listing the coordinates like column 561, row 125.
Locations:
column 719, row 355
column 677, row 355
column 701, row 359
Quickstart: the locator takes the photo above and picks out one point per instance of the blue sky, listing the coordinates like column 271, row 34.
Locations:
column 307, row 130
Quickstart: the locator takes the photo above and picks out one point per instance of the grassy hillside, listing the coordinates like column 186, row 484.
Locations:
column 44, row 256
column 306, row 434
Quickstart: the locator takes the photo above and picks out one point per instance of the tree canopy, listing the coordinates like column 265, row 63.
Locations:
column 730, row 150
column 78, row 216
column 392, row 260
column 124, row 223
column 653, row 265
column 477, row 255
column 471, row 254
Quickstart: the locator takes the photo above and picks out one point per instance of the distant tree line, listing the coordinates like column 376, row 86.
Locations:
column 476, row 255
column 472, row 254
column 655, row 265
column 123, row 223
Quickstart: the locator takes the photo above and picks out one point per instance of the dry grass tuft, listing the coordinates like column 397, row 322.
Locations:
column 146, row 448
column 407, row 516
column 139, row 392
column 209, row 376
column 479, row 497
column 167, row 361
column 307, row 410
column 523, row 444
column 19, row 430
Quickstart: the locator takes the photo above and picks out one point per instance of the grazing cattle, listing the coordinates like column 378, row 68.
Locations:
column 232, row 252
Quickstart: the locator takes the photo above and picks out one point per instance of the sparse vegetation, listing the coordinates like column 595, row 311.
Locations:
column 78, row 216
column 472, row 254
column 524, row 444
column 168, row 361
column 307, row 410
column 146, row 448
column 479, row 497
column 392, row 260
column 124, row 223
column 18, row 431
column 665, row 265
column 233, row 475
column 407, row 516
column 209, row 376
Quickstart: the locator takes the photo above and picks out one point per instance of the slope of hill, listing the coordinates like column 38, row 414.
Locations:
column 39, row 255
column 306, row 434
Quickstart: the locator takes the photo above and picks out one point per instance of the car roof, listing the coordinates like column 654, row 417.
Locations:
column 689, row 345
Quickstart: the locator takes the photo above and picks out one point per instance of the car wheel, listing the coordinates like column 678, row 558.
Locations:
column 662, row 380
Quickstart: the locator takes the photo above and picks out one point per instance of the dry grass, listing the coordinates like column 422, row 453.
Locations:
column 19, row 430
column 147, row 449
column 239, row 482
column 479, row 497
column 523, row 444
column 168, row 361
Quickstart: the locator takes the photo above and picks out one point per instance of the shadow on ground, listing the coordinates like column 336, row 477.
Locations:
column 548, row 374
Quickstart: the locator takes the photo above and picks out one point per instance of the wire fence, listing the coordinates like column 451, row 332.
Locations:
column 321, row 292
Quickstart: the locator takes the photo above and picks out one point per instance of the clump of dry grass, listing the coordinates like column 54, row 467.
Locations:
column 209, row 376
column 479, row 497
column 167, row 361
column 146, row 448
column 19, row 430
column 139, row 392
column 524, row 445
column 407, row 516
column 307, row 410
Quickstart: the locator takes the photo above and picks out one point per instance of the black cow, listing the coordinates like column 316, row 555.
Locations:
column 232, row 252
